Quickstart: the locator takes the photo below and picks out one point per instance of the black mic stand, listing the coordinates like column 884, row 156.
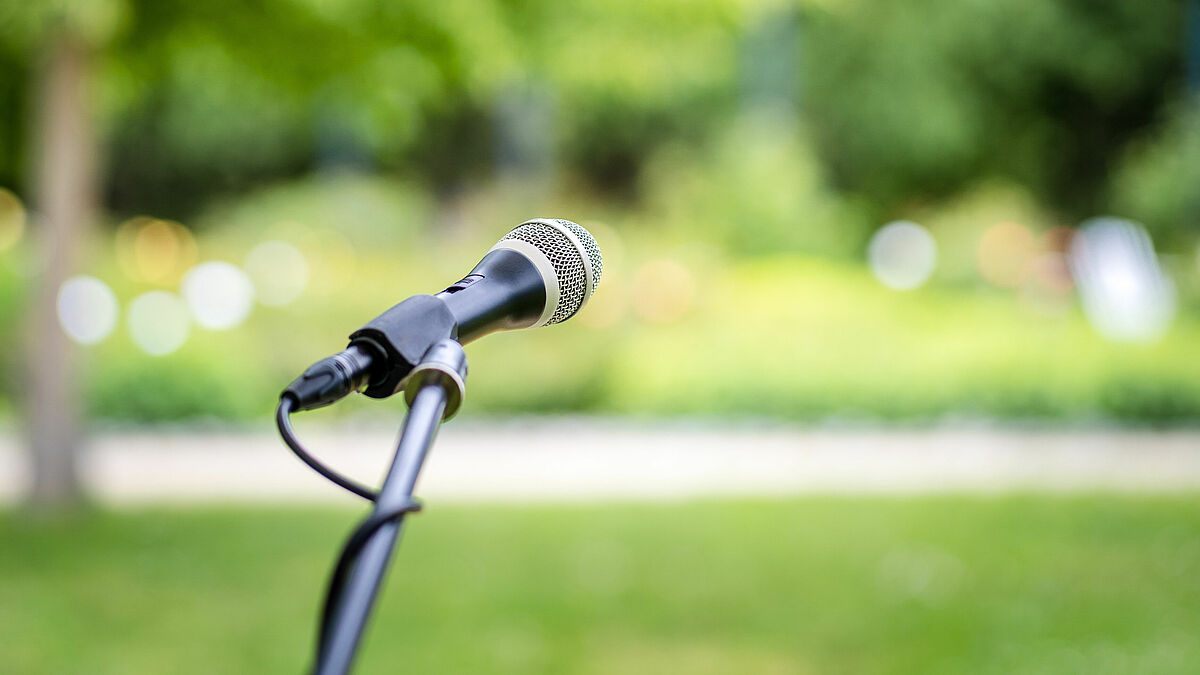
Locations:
column 434, row 391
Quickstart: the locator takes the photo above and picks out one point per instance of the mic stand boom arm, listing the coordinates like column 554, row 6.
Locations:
column 434, row 391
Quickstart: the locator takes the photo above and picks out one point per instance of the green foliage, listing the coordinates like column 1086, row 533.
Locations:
column 27, row 25
column 13, row 307
column 679, row 327
column 924, row 97
column 957, row 114
column 934, row 584
column 958, row 224
column 1159, row 181
column 195, row 385
column 825, row 341
column 904, row 101
column 758, row 190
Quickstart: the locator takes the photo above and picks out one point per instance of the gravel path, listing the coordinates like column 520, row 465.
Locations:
column 563, row 460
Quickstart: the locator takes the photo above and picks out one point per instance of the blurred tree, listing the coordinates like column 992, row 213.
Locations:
column 60, row 36
column 1192, row 56
column 905, row 101
column 1158, row 180
column 524, row 122
column 209, row 97
column 14, row 120
column 770, row 61
column 919, row 99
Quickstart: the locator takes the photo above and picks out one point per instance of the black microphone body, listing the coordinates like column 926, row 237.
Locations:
column 503, row 292
column 528, row 279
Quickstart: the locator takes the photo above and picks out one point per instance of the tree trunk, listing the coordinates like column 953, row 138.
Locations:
column 65, row 194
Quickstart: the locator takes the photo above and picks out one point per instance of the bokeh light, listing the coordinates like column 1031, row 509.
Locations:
column 1005, row 252
column 1057, row 239
column 219, row 294
column 836, row 298
column 158, row 322
column 12, row 219
column 154, row 251
column 87, row 309
column 666, row 290
column 1126, row 295
column 902, row 255
column 279, row 272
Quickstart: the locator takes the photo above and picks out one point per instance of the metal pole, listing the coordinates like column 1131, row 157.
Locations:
column 354, row 607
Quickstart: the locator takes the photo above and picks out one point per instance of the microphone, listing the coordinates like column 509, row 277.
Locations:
column 540, row 273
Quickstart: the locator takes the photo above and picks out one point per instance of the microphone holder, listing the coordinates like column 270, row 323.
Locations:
column 434, row 391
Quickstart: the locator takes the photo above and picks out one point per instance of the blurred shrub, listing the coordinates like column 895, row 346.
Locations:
column 190, row 385
column 798, row 338
column 674, row 330
column 959, row 224
column 756, row 189
column 955, row 114
column 1132, row 397
column 13, row 288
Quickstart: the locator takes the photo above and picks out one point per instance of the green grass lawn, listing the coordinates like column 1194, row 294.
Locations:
column 816, row 585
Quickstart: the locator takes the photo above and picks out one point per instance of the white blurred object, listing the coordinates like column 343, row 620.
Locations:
column 279, row 272
column 158, row 322
column 902, row 255
column 219, row 294
column 87, row 309
column 1126, row 295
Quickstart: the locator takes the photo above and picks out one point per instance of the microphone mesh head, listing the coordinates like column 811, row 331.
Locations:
column 571, row 262
column 590, row 247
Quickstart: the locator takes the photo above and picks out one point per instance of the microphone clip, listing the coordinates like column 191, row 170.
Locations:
column 400, row 339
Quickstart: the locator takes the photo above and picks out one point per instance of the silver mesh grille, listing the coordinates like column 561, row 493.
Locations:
column 590, row 246
column 566, row 259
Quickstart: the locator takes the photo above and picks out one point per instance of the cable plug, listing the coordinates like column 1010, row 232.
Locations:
column 331, row 379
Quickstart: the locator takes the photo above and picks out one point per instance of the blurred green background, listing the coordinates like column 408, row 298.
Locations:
column 733, row 159
column 842, row 212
